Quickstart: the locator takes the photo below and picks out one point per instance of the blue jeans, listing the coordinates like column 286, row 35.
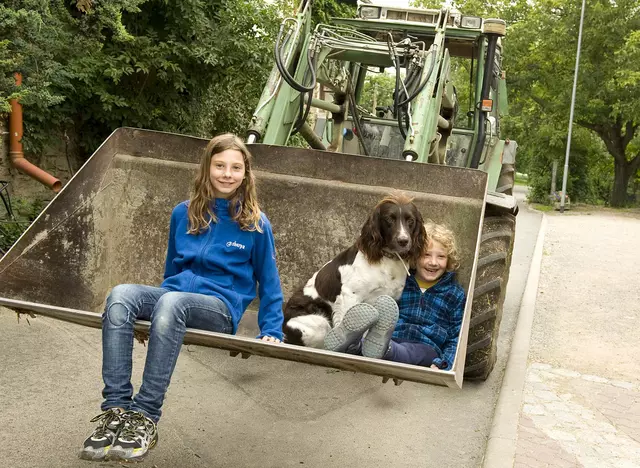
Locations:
column 170, row 314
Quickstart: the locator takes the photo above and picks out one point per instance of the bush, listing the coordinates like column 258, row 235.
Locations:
column 89, row 67
column 25, row 213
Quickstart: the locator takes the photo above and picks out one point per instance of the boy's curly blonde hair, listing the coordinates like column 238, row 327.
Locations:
column 442, row 234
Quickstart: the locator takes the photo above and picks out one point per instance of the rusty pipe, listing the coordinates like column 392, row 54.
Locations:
column 15, row 147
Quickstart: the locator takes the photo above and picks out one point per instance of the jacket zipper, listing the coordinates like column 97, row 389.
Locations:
column 198, row 260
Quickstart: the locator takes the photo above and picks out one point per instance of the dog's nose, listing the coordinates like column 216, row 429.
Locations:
column 403, row 242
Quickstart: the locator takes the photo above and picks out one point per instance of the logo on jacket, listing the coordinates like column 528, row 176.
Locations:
column 235, row 244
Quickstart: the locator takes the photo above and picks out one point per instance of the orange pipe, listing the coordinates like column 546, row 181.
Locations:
column 15, row 147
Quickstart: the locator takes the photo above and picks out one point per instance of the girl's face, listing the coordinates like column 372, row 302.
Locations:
column 227, row 172
column 433, row 263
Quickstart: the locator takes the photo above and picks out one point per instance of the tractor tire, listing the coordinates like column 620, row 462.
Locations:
column 506, row 179
column 492, row 275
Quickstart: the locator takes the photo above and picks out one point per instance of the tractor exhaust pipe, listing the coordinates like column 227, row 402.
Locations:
column 15, row 147
column 494, row 29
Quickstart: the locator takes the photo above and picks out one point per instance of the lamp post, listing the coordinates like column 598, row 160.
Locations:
column 573, row 102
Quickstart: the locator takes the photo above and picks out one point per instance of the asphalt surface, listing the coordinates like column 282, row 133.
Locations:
column 228, row 412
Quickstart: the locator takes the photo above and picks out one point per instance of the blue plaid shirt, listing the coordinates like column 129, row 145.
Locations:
column 433, row 317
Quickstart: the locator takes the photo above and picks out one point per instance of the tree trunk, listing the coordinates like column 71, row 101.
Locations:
column 621, row 178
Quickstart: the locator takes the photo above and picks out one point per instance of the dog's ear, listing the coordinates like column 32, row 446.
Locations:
column 418, row 237
column 370, row 242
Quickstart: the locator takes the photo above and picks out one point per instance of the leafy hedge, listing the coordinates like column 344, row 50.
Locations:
column 90, row 66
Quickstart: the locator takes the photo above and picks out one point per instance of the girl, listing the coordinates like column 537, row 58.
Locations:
column 219, row 245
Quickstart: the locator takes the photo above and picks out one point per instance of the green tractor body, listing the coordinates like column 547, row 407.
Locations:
column 446, row 106
column 437, row 138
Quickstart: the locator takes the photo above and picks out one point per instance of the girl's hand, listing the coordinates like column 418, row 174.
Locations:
column 271, row 339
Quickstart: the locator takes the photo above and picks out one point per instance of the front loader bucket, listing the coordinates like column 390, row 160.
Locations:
column 109, row 225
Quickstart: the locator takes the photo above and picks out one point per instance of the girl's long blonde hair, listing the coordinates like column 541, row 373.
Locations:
column 243, row 204
column 442, row 234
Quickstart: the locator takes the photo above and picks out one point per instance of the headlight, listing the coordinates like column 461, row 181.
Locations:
column 471, row 22
column 369, row 12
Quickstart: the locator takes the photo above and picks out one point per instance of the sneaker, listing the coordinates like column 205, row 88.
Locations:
column 356, row 321
column 137, row 435
column 97, row 445
column 376, row 342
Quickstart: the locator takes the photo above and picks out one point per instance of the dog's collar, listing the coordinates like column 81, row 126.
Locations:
column 393, row 256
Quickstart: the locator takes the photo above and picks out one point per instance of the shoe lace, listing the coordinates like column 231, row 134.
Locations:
column 105, row 419
column 132, row 425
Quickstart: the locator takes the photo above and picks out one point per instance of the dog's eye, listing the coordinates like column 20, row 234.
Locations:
column 388, row 220
column 411, row 222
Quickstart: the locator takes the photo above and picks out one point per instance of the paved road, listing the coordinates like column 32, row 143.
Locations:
column 227, row 412
column 581, row 402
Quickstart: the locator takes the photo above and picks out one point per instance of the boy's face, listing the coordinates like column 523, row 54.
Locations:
column 432, row 263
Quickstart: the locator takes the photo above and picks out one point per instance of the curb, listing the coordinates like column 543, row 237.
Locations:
column 501, row 446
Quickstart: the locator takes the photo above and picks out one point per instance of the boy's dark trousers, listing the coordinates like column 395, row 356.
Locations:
column 411, row 352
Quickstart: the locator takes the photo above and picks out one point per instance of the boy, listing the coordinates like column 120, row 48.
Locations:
column 429, row 317
column 431, row 306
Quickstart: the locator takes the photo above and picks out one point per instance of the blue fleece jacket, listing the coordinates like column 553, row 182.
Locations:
column 226, row 262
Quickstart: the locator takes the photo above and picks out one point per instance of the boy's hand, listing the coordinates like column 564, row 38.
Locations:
column 271, row 339
column 433, row 366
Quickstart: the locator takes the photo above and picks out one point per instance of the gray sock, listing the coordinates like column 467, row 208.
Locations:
column 376, row 342
column 356, row 321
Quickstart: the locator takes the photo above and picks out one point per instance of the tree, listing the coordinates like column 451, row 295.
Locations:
column 378, row 90
column 607, row 97
column 194, row 67
column 540, row 59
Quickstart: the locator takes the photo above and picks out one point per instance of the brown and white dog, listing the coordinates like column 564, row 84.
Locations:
column 391, row 239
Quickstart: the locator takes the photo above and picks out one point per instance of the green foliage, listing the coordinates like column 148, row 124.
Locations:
column 540, row 62
column 380, row 86
column 539, row 59
column 585, row 152
column 324, row 10
column 10, row 231
column 298, row 141
column 193, row 67
column 509, row 10
column 521, row 179
column 25, row 213
column 435, row 4
column 6, row 80
column 543, row 207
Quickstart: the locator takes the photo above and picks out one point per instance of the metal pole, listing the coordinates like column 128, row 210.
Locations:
column 573, row 101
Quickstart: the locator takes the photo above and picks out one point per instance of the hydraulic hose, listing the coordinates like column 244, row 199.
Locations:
column 283, row 69
column 304, row 111
column 486, row 88
column 397, row 110
column 410, row 81
column 356, row 121
column 423, row 84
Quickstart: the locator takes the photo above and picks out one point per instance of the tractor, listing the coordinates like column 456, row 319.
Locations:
column 323, row 158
